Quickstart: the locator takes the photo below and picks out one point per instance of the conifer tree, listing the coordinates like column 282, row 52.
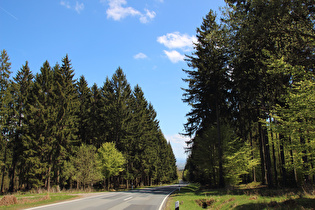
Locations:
column 22, row 90
column 208, row 82
column 140, row 136
column 98, row 118
column 5, row 113
column 119, row 96
column 83, row 113
column 40, row 126
column 66, row 105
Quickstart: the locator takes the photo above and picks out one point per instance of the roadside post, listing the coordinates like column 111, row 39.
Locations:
column 177, row 205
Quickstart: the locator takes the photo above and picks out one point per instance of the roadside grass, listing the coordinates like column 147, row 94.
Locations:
column 23, row 200
column 28, row 200
column 243, row 197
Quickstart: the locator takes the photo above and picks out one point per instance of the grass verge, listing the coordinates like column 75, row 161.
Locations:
column 194, row 197
column 15, row 202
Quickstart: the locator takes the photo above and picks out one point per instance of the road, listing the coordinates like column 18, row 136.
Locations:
column 142, row 199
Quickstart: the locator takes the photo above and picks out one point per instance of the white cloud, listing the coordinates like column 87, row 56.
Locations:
column 148, row 16
column 66, row 4
column 117, row 10
column 140, row 56
column 79, row 7
column 177, row 40
column 174, row 56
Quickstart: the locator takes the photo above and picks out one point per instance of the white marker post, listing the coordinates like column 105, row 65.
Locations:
column 177, row 205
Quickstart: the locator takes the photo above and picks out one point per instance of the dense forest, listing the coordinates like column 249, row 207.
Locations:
column 251, row 89
column 57, row 132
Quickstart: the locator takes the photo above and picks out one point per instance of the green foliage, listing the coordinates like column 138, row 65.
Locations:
column 111, row 160
column 296, row 121
column 6, row 112
column 84, row 111
column 238, row 161
column 84, row 166
column 253, row 71
column 208, row 82
column 44, row 120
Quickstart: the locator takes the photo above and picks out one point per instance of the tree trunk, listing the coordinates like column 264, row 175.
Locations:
column 294, row 169
column 221, row 176
column 108, row 183
column 305, row 161
column 274, row 155
column 268, row 159
column 262, row 156
column 284, row 171
column 12, row 175
column 253, row 155
column 4, row 166
column 213, row 168
column 48, row 178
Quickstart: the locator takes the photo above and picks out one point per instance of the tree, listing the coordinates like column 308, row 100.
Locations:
column 98, row 119
column 84, row 166
column 208, row 82
column 111, row 161
column 264, row 32
column 5, row 112
column 295, row 120
column 66, row 105
column 119, row 97
column 270, row 49
column 83, row 113
column 39, row 140
column 22, row 90
column 44, row 119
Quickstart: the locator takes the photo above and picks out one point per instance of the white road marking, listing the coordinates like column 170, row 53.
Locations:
column 127, row 198
column 162, row 204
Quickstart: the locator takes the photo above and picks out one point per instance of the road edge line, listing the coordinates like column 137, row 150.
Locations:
column 163, row 202
column 63, row 202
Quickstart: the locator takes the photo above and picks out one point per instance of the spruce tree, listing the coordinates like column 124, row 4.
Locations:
column 22, row 90
column 83, row 113
column 66, row 104
column 208, row 82
column 39, row 140
column 140, row 136
column 97, row 119
column 120, row 98
column 5, row 113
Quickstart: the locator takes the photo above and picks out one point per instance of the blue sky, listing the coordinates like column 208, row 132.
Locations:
column 146, row 38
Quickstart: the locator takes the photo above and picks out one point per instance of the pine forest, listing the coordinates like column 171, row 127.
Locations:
column 251, row 89
column 59, row 133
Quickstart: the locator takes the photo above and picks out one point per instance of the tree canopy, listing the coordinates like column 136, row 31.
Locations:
column 251, row 79
column 57, row 131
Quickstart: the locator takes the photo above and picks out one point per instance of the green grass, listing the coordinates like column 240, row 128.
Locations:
column 34, row 199
column 244, row 197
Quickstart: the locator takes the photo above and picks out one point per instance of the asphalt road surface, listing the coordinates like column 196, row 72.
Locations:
column 143, row 199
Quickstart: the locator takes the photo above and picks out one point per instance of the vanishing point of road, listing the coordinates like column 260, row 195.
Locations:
column 142, row 199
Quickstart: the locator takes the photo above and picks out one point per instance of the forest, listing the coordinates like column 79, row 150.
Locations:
column 251, row 90
column 59, row 133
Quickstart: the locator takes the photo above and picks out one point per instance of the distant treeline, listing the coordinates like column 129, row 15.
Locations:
column 251, row 88
column 57, row 131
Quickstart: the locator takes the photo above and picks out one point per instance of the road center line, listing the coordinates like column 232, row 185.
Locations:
column 127, row 198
